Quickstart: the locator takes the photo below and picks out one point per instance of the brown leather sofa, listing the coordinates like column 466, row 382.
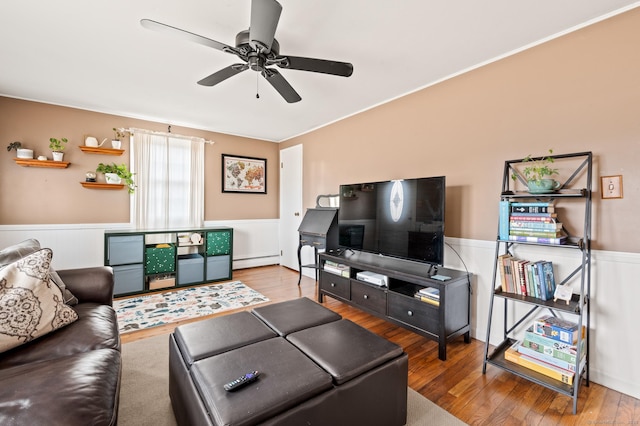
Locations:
column 70, row 376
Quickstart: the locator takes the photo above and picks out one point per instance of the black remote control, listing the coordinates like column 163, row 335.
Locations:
column 245, row 379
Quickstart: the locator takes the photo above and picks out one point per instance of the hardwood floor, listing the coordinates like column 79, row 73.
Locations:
column 457, row 384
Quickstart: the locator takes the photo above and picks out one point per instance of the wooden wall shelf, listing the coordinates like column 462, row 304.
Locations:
column 27, row 162
column 100, row 185
column 103, row 151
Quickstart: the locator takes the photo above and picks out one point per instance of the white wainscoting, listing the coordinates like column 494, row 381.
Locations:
column 614, row 283
column 255, row 242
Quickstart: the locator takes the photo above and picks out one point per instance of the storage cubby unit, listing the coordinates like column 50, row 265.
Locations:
column 518, row 309
column 396, row 302
column 149, row 260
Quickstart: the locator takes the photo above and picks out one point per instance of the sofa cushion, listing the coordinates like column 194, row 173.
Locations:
column 80, row 389
column 25, row 248
column 96, row 328
column 30, row 305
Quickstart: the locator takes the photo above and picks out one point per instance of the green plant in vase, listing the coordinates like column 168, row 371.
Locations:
column 537, row 173
column 115, row 173
column 57, row 146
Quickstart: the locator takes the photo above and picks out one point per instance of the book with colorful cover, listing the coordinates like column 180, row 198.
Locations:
column 525, row 208
column 557, row 329
column 548, row 359
column 554, row 348
column 547, row 279
column 535, row 225
column 512, row 355
column 503, row 226
column 530, row 232
column 545, row 217
column 539, row 240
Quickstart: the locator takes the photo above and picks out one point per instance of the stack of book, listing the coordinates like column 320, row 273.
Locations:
column 336, row 268
column 542, row 350
column 534, row 279
column 429, row 295
column 532, row 222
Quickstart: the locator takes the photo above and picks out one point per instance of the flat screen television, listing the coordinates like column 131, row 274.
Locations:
column 399, row 218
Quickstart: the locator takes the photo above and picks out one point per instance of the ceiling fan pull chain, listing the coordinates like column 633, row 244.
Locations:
column 257, row 84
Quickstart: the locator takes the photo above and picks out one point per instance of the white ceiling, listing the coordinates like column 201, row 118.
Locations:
column 95, row 55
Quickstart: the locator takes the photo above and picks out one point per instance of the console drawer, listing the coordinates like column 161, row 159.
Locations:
column 335, row 284
column 413, row 312
column 368, row 296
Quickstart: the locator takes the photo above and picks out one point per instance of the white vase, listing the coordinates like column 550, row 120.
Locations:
column 112, row 178
column 57, row 156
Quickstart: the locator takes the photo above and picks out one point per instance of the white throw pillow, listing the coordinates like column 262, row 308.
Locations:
column 31, row 305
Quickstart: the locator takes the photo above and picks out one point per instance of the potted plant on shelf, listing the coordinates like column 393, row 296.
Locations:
column 20, row 152
column 118, row 134
column 57, row 146
column 115, row 173
column 535, row 173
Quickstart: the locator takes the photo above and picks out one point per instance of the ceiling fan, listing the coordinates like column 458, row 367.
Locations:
column 258, row 49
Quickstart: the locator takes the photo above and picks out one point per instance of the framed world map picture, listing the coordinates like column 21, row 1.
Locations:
column 244, row 174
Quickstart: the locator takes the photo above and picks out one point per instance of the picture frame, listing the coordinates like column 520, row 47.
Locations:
column 247, row 175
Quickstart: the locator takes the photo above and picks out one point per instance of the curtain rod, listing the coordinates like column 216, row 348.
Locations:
column 133, row 130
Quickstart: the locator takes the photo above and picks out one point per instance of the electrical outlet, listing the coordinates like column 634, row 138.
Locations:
column 611, row 186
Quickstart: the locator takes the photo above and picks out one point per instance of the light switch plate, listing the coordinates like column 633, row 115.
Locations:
column 611, row 186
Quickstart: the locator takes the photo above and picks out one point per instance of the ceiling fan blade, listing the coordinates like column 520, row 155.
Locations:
column 164, row 28
column 343, row 69
column 223, row 74
column 281, row 85
column 265, row 15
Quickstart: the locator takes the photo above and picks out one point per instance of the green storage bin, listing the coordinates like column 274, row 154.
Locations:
column 160, row 260
column 218, row 243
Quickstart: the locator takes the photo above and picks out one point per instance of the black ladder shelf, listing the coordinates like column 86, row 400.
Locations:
column 519, row 310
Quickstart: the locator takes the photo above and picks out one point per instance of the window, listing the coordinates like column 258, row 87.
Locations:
column 169, row 174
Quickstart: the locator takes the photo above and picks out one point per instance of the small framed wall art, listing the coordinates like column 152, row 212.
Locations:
column 244, row 174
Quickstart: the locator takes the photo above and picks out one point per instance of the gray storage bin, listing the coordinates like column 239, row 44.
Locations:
column 218, row 267
column 125, row 249
column 190, row 269
column 128, row 279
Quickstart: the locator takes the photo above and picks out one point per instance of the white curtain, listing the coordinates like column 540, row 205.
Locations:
column 169, row 174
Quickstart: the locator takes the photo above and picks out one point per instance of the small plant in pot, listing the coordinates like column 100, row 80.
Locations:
column 535, row 173
column 20, row 152
column 57, row 146
column 115, row 173
column 119, row 134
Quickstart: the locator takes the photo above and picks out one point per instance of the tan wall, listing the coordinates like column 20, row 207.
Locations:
column 580, row 92
column 30, row 195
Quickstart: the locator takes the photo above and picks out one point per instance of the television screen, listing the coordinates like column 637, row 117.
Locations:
column 400, row 218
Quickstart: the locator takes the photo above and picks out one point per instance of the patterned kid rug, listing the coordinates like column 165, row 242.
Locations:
column 152, row 310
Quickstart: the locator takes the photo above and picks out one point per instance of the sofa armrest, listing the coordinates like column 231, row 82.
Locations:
column 93, row 284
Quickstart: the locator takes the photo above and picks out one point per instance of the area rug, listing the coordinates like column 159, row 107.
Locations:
column 152, row 310
column 144, row 392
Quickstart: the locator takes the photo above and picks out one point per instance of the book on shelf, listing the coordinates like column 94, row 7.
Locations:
column 554, row 348
column 503, row 220
column 512, row 355
column 544, row 217
column 426, row 299
column 534, row 225
column 539, row 240
column 431, row 292
column 548, row 359
column 526, row 208
column 523, row 277
column 532, row 232
column 557, row 329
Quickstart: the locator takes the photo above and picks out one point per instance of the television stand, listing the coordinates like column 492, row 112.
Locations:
column 444, row 321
